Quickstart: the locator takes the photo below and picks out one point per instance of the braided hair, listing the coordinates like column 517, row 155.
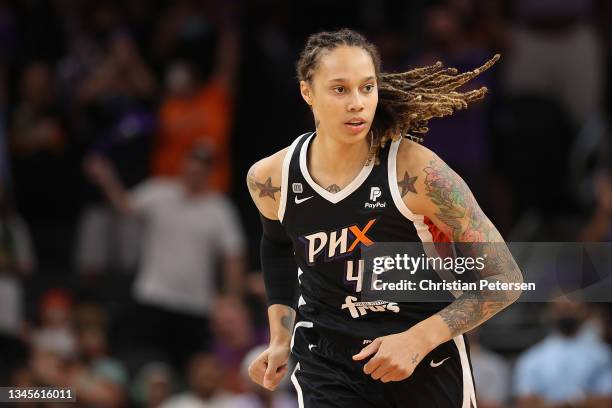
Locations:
column 406, row 100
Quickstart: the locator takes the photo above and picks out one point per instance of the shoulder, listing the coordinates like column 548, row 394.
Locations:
column 264, row 183
column 422, row 174
column 269, row 166
column 415, row 157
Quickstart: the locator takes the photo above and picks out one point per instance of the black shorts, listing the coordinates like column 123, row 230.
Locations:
column 326, row 376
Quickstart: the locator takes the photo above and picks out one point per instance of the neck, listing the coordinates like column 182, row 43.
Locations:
column 330, row 155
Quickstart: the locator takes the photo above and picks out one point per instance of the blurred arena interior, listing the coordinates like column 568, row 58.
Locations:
column 155, row 97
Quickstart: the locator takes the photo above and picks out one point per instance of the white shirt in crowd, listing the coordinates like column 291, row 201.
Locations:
column 11, row 291
column 223, row 400
column 182, row 237
column 189, row 400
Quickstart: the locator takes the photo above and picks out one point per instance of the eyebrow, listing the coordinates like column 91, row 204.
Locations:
column 345, row 80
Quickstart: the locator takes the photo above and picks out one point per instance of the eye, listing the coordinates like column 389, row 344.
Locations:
column 339, row 89
column 369, row 87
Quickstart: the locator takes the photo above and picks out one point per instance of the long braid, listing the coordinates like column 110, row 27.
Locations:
column 406, row 100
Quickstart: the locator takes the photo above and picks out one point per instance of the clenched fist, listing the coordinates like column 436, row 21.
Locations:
column 270, row 366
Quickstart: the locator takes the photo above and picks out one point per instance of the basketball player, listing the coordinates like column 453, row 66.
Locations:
column 312, row 198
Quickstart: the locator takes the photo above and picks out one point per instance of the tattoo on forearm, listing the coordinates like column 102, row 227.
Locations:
column 474, row 307
column 265, row 189
column 407, row 184
column 334, row 188
column 288, row 319
column 468, row 311
column 475, row 236
column 414, row 358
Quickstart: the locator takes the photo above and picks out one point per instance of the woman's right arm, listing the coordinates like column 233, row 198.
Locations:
column 279, row 270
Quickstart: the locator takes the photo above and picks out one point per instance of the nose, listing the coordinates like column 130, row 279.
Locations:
column 355, row 103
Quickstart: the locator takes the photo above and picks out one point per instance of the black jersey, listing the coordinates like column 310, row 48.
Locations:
column 328, row 231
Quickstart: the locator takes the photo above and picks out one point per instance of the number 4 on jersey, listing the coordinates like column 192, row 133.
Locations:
column 355, row 276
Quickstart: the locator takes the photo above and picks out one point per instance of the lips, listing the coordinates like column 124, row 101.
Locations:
column 355, row 122
column 355, row 125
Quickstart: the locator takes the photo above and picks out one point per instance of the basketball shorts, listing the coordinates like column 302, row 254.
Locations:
column 326, row 376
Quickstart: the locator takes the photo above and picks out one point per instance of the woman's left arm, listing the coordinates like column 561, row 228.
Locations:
column 432, row 189
column 448, row 202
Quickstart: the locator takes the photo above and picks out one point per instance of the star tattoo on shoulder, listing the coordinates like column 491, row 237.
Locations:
column 266, row 189
column 407, row 184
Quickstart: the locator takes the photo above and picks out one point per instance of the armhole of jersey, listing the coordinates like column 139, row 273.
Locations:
column 285, row 178
column 417, row 219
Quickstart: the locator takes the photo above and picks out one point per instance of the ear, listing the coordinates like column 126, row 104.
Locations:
column 306, row 92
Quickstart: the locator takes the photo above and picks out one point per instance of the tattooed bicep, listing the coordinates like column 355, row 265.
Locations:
column 454, row 205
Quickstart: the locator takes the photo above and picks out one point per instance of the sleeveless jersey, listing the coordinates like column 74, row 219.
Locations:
column 328, row 231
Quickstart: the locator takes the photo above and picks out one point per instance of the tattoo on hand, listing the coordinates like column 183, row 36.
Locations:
column 334, row 188
column 414, row 358
column 265, row 189
column 407, row 184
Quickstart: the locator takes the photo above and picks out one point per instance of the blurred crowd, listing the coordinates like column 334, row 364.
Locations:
column 128, row 243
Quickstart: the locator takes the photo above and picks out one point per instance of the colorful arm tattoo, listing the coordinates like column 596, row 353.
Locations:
column 475, row 236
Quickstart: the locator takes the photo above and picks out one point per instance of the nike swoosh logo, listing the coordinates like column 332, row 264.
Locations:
column 311, row 346
column 301, row 200
column 434, row 365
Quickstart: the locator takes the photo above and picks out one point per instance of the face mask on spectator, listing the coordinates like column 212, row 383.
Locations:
column 567, row 326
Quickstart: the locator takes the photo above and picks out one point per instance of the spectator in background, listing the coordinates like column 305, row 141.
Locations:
column 234, row 336
column 554, row 50
column 39, row 145
column 199, row 108
column 115, row 108
column 204, row 379
column 491, row 374
column 122, row 74
column 17, row 262
column 191, row 112
column 37, row 125
column 56, row 334
column 53, row 344
column 448, row 40
column 106, row 242
column 563, row 369
column 187, row 227
column 599, row 226
column 153, row 384
column 98, row 379
column 5, row 177
column 22, row 377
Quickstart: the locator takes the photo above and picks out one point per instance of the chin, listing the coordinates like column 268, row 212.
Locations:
column 350, row 138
